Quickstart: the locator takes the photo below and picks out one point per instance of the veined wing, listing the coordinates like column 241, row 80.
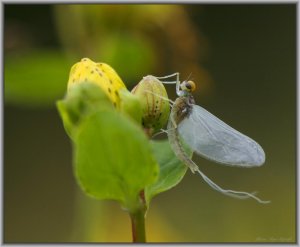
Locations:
column 213, row 139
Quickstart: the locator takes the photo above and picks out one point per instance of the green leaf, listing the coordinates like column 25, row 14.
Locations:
column 38, row 78
column 113, row 158
column 171, row 172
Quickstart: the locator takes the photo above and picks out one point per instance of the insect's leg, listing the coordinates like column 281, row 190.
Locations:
column 166, row 131
column 168, row 76
column 168, row 82
column 177, row 85
column 162, row 97
column 177, row 82
column 160, row 132
column 174, row 124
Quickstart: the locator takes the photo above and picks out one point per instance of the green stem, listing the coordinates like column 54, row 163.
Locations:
column 138, row 227
column 138, row 222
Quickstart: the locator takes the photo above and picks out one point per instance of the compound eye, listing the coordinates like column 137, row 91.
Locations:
column 189, row 86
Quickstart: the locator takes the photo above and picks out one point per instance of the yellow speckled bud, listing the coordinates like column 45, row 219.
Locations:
column 99, row 73
column 155, row 107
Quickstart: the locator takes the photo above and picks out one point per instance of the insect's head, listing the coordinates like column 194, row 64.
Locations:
column 188, row 86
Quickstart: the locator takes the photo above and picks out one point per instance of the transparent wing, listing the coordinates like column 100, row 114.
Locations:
column 215, row 140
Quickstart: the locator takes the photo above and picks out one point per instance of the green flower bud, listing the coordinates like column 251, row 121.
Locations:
column 155, row 106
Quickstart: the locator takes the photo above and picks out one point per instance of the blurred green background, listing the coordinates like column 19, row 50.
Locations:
column 243, row 59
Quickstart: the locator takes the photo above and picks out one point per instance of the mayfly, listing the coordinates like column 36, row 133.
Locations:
column 209, row 137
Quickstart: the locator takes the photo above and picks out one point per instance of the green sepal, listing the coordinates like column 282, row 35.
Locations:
column 80, row 101
column 131, row 105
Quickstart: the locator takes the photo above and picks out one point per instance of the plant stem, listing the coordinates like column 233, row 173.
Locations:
column 138, row 227
column 138, row 222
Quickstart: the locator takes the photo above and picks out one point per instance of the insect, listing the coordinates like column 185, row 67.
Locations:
column 209, row 137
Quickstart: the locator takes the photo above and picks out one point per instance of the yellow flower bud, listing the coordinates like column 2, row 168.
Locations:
column 153, row 97
column 99, row 73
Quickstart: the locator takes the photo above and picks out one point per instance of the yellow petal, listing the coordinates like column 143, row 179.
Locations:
column 99, row 73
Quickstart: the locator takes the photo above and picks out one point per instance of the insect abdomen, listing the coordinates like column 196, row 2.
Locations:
column 177, row 146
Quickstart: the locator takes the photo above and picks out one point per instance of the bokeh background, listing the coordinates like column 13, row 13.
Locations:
column 243, row 59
